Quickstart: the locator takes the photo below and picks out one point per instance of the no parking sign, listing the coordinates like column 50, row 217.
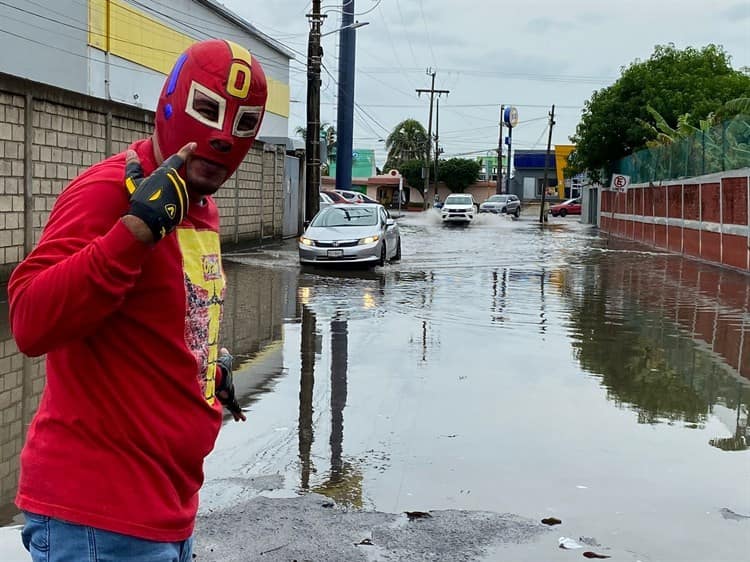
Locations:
column 620, row 182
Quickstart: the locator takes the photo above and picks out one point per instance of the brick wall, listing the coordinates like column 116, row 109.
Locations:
column 705, row 217
column 48, row 136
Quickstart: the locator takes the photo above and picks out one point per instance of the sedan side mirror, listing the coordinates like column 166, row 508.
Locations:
column 305, row 224
column 389, row 223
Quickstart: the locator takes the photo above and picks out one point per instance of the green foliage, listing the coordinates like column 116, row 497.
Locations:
column 690, row 84
column 407, row 141
column 411, row 170
column 327, row 130
column 458, row 173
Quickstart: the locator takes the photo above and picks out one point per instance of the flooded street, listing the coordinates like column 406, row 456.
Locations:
column 504, row 368
column 500, row 367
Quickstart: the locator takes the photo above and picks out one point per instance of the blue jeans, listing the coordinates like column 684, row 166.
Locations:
column 53, row 540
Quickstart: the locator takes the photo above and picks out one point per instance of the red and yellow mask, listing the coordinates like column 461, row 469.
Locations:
column 215, row 96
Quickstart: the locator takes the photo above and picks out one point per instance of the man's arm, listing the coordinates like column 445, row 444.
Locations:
column 90, row 255
column 86, row 262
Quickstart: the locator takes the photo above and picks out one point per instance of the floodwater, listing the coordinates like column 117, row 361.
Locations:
column 500, row 367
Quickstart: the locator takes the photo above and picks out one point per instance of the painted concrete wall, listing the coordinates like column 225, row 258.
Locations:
column 704, row 217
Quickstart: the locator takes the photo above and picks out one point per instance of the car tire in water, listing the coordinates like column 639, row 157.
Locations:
column 397, row 257
column 517, row 212
column 563, row 212
column 383, row 255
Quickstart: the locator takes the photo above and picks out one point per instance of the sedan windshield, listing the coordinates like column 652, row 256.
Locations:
column 464, row 200
column 346, row 216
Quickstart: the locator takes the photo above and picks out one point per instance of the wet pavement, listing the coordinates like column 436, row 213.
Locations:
column 498, row 368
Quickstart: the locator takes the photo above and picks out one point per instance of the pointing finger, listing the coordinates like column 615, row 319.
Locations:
column 133, row 171
column 177, row 160
column 133, row 166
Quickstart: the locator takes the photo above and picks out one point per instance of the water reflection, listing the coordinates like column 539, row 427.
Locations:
column 306, row 387
column 256, row 303
column 643, row 330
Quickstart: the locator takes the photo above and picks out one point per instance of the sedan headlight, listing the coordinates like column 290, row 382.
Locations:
column 306, row 241
column 369, row 240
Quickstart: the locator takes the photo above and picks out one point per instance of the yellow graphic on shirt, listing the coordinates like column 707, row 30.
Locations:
column 204, row 289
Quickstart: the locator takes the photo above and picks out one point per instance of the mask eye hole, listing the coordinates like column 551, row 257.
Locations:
column 206, row 106
column 247, row 121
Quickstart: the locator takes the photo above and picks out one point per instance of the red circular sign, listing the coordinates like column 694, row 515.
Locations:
column 620, row 181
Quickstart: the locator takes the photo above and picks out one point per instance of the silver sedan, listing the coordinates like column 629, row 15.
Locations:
column 351, row 233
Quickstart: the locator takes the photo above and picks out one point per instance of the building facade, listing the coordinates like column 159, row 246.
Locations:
column 121, row 50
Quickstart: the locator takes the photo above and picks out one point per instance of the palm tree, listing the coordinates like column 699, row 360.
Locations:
column 407, row 141
column 328, row 131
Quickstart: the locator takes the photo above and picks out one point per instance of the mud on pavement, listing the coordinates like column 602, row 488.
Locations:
column 312, row 528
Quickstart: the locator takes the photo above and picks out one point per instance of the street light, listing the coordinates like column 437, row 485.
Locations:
column 354, row 25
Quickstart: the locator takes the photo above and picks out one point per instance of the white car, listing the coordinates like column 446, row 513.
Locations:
column 458, row 207
column 351, row 233
column 325, row 201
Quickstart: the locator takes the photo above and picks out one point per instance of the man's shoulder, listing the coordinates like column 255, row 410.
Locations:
column 109, row 172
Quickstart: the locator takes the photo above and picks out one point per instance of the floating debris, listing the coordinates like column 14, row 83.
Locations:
column 364, row 542
column 414, row 515
column 589, row 554
column 727, row 513
column 569, row 544
column 551, row 521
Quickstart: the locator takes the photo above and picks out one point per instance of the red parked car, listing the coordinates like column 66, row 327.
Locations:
column 336, row 196
column 569, row 207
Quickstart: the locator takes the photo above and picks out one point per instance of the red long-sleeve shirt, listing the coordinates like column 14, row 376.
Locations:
column 130, row 330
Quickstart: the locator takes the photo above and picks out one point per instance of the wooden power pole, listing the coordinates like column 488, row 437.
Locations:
column 312, row 136
column 543, row 208
column 432, row 91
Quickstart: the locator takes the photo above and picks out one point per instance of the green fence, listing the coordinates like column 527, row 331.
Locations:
column 721, row 148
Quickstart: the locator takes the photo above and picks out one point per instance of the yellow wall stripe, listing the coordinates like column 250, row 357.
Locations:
column 136, row 37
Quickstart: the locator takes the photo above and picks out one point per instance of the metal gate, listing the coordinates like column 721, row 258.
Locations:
column 292, row 207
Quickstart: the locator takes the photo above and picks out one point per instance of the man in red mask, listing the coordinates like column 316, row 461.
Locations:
column 124, row 294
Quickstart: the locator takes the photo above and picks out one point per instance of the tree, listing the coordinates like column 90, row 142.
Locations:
column 458, row 173
column 673, row 82
column 411, row 170
column 407, row 141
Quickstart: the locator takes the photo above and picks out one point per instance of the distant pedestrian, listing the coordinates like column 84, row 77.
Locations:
column 124, row 294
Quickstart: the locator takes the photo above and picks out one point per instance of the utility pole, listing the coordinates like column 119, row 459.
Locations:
column 543, row 208
column 432, row 91
column 499, row 184
column 312, row 137
column 437, row 137
column 345, row 111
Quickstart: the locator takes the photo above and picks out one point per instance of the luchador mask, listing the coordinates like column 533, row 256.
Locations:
column 215, row 96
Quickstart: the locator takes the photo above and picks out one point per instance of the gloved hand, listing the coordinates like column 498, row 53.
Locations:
column 160, row 200
column 225, row 388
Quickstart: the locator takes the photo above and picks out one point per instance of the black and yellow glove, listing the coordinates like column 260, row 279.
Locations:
column 161, row 199
column 225, row 388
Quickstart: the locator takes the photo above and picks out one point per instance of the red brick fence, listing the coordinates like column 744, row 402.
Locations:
column 704, row 217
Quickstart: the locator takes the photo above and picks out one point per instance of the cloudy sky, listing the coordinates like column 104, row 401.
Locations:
column 530, row 53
